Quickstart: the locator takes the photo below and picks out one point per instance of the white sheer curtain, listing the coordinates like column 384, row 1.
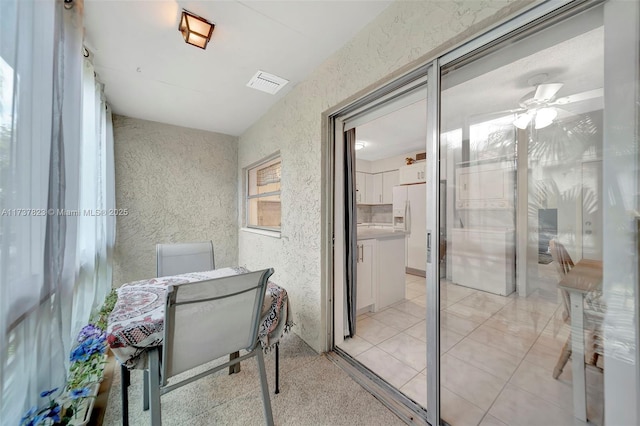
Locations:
column 96, row 224
column 54, row 160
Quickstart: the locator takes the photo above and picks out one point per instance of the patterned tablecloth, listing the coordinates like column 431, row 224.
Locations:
column 137, row 321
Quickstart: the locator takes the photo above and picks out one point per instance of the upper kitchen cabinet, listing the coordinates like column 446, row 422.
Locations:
column 375, row 192
column 361, row 189
column 389, row 180
column 413, row 173
column 376, row 188
column 380, row 190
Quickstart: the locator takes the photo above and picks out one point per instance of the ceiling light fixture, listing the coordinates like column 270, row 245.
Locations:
column 359, row 145
column 541, row 118
column 545, row 116
column 195, row 29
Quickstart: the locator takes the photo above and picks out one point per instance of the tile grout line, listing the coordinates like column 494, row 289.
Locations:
column 514, row 372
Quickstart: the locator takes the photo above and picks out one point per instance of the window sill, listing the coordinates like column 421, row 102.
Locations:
column 273, row 234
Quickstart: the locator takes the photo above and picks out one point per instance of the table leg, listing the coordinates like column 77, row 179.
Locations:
column 125, row 381
column 277, row 367
column 577, row 355
column 145, row 390
column 235, row 368
column 154, row 386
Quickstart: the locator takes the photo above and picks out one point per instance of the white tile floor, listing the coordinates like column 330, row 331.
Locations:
column 498, row 355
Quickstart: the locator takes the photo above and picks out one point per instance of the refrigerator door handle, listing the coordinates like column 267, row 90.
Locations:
column 407, row 217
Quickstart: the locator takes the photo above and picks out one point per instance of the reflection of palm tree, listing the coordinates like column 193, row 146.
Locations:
column 567, row 141
column 499, row 143
column 548, row 189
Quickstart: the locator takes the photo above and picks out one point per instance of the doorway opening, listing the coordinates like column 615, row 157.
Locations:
column 386, row 296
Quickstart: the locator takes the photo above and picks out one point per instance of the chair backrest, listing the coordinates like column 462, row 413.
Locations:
column 561, row 256
column 206, row 320
column 564, row 264
column 181, row 258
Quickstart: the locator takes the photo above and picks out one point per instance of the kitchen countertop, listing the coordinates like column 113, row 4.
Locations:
column 379, row 234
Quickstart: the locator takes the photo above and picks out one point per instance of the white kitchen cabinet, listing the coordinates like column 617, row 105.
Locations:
column 413, row 173
column 389, row 180
column 380, row 271
column 391, row 272
column 366, row 274
column 361, row 187
column 376, row 188
column 368, row 195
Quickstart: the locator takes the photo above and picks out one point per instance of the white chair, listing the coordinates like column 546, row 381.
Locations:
column 204, row 321
column 175, row 259
column 181, row 258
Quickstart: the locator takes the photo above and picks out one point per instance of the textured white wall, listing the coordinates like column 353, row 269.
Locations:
column 179, row 185
column 405, row 32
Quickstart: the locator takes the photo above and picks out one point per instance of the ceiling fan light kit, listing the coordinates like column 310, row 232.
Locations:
column 522, row 120
column 542, row 118
column 537, row 108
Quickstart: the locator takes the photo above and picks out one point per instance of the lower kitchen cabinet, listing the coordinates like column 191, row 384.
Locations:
column 391, row 272
column 365, row 273
column 380, row 272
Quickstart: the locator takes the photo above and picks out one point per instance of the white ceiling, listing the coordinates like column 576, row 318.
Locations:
column 571, row 54
column 399, row 132
column 149, row 72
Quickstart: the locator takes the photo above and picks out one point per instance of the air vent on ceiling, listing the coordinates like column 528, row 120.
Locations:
column 267, row 82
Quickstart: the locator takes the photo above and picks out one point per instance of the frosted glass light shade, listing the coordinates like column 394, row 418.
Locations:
column 522, row 121
column 545, row 117
column 195, row 30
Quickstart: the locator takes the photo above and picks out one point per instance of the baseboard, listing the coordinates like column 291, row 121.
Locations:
column 414, row 271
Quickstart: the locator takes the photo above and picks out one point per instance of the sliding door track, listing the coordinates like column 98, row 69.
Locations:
column 402, row 406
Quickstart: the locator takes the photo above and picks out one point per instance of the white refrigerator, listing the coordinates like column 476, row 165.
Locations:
column 410, row 215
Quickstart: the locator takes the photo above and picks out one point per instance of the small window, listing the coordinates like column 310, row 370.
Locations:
column 263, row 195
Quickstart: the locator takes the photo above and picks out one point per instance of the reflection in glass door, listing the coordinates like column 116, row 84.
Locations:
column 521, row 147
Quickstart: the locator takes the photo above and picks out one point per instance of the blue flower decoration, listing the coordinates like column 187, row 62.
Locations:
column 44, row 394
column 89, row 331
column 79, row 354
column 54, row 413
column 79, row 393
column 28, row 414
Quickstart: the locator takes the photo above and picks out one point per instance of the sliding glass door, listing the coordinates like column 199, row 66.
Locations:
column 531, row 227
column 537, row 225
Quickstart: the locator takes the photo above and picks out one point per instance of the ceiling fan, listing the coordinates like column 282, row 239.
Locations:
column 540, row 106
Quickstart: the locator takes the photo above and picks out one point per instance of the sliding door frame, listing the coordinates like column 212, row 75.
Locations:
column 433, row 246
column 531, row 19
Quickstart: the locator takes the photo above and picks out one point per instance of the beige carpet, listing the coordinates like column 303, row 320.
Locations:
column 313, row 391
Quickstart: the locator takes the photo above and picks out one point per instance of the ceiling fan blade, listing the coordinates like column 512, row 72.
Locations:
column 545, row 92
column 578, row 97
column 488, row 116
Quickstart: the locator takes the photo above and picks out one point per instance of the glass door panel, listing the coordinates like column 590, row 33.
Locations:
column 389, row 343
column 522, row 145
